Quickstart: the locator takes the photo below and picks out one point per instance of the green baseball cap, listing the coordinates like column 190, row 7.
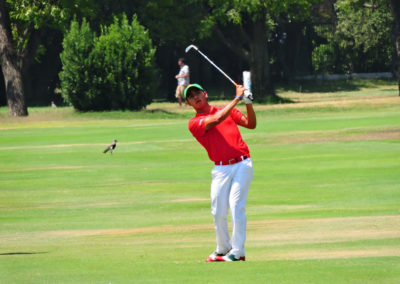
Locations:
column 192, row 86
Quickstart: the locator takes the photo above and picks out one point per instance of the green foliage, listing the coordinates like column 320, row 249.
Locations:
column 112, row 71
column 360, row 27
column 78, row 44
column 169, row 21
column 323, row 58
column 360, row 40
column 29, row 15
column 238, row 11
column 362, row 31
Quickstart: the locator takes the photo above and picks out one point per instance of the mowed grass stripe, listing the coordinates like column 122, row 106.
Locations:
column 94, row 144
column 288, row 239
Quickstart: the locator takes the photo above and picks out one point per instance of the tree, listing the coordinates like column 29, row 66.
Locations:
column 251, row 23
column 11, row 66
column 395, row 9
column 353, row 38
column 378, row 33
column 24, row 25
column 364, row 35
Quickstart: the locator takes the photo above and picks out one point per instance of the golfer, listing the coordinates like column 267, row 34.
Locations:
column 216, row 130
column 183, row 78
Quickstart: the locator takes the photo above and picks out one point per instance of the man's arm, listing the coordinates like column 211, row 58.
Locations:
column 249, row 121
column 222, row 114
column 182, row 76
column 186, row 74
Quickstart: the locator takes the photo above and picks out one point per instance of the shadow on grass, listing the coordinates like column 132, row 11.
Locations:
column 162, row 113
column 21, row 253
column 326, row 86
column 159, row 111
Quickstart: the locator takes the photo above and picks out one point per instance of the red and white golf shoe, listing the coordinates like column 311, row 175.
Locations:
column 213, row 257
column 230, row 257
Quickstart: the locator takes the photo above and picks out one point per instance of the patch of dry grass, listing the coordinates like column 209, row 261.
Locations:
column 364, row 134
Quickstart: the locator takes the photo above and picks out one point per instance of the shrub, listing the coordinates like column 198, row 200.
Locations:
column 78, row 44
column 112, row 71
column 323, row 58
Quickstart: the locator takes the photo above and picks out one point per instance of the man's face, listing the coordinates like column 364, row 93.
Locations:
column 196, row 98
column 180, row 63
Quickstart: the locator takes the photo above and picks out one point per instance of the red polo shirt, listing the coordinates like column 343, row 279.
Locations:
column 222, row 142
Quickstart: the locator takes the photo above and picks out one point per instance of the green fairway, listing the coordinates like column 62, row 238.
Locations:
column 324, row 206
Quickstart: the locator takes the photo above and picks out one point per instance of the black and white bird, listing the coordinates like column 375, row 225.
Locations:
column 111, row 147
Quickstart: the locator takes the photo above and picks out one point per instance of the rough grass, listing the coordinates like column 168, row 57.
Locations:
column 323, row 207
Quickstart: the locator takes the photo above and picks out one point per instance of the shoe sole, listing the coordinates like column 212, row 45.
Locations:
column 221, row 258
column 210, row 259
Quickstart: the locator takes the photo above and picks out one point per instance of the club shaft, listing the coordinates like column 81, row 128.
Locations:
column 219, row 69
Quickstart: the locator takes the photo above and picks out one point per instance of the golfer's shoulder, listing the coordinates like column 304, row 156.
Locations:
column 195, row 120
column 196, row 126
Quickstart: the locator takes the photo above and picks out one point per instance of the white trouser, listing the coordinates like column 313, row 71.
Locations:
column 229, row 188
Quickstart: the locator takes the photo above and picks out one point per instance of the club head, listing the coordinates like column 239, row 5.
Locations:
column 190, row 47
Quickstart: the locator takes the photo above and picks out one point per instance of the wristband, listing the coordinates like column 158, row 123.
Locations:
column 238, row 97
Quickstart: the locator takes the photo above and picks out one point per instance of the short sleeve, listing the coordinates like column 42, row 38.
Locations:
column 236, row 115
column 185, row 69
column 196, row 126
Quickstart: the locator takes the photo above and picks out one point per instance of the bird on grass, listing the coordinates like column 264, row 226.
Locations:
column 111, row 147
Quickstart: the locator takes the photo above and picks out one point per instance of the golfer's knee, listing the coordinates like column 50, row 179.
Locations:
column 219, row 214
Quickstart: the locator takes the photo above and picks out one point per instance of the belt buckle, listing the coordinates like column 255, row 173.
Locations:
column 233, row 161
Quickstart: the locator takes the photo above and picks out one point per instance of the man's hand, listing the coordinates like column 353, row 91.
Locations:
column 239, row 91
column 248, row 97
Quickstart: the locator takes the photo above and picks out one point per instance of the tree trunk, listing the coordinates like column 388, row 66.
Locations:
column 11, row 67
column 261, row 82
column 395, row 7
column 254, row 35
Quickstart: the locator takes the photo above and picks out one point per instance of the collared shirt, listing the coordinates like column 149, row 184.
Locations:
column 185, row 80
column 222, row 142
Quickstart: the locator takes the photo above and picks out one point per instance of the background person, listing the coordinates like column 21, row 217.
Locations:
column 216, row 130
column 183, row 78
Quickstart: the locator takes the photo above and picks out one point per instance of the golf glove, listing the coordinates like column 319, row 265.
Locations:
column 248, row 97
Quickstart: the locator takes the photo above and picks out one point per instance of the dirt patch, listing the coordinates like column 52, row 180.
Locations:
column 296, row 239
column 58, row 205
column 279, row 232
column 334, row 103
column 335, row 136
column 45, row 169
column 288, row 239
column 326, row 230
column 326, row 254
column 278, row 208
column 131, row 231
column 100, row 145
column 62, row 146
column 188, row 200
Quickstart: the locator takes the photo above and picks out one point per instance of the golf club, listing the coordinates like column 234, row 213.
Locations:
column 212, row 63
column 247, row 92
